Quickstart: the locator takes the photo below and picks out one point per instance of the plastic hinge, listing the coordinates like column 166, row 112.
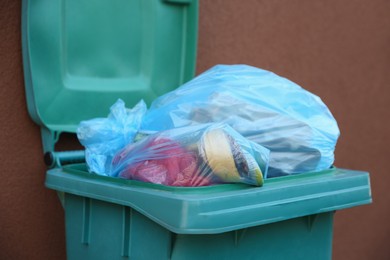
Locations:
column 49, row 139
column 56, row 159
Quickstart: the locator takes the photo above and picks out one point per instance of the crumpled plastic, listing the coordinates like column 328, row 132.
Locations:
column 104, row 137
column 193, row 156
column 268, row 109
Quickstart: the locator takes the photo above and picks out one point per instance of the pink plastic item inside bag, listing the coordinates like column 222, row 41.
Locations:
column 192, row 156
column 173, row 166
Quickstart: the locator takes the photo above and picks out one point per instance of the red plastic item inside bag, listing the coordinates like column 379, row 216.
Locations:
column 173, row 166
column 192, row 156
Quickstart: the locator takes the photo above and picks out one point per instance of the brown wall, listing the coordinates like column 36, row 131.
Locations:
column 339, row 50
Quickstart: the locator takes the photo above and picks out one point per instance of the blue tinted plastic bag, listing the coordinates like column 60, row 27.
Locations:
column 270, row 110
column 193, row 156
column 104, row 137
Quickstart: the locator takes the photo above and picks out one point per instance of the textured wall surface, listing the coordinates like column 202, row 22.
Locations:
column 31, row 219
column 340, row 50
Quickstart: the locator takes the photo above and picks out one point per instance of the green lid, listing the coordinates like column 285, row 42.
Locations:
column 81, row 56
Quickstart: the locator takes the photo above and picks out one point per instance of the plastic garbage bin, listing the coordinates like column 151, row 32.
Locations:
column 79, row 57
column 288, row 218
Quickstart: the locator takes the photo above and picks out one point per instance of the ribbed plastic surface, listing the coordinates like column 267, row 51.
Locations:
column 221, row 208
column 80, row 56
column 288, row 218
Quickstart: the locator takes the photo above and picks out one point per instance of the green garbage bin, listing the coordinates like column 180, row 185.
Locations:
column 79, row 57
column 288, row 218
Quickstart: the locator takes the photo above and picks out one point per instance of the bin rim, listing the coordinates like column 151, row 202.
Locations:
column 222, row 208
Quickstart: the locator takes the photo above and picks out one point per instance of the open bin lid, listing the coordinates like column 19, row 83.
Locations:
column 81, row 56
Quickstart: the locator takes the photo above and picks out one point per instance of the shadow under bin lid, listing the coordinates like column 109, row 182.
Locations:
column 81, row 56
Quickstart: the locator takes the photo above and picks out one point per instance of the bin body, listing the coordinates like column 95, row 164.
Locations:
column 101, row 230
column 288, row 218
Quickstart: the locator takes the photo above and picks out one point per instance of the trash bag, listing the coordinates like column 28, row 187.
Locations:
column 104, row 137
column 268, row 109
column 193, row 156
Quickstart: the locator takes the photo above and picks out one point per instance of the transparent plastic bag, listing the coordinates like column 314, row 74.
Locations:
column 270, row 110
column 104, row 137
column 193, row 156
